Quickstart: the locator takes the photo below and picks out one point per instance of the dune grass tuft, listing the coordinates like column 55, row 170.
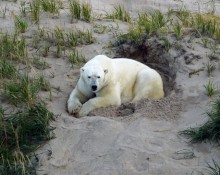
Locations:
column 75, row 10
column 119, row 13
column 21, row 133
column 28, row 126
column 146, row 25
column 86, row 12
column 22, row 90
column 76, row 58
column 50, row 6
column 213, row 169
column 80, row 11
column 210, row 88
column 12, row 47
column 7, row 69
column 208, row 131
column 20, row 24
column 35, row 11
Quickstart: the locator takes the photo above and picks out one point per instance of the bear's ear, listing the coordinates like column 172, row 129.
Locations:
column 106, row 71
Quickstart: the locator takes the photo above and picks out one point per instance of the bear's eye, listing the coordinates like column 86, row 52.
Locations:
column 98, row 77
column 89, row 77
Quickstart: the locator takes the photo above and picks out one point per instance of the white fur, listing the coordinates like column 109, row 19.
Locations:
column 104, row 82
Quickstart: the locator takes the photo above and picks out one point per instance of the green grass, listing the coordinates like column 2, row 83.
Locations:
column 205, row 42
column 213, row 169
column 50, row 6
column 75, row 10
column 146, row 25
column 119, row 13
column 210, row 130
column 135, row 34
column 59, row 35
column 41, row 32
column 21, row 91
column 27, row 127
column 39, row 63
column 35, row 11
column 20, row 24
column 42, row 83
column 217, row 34
column 210, row 89
column 12, row 47
column 214, row 56
column 23, row 11
column 46, row 50
column 76, row 58
column 157, row 20
column 178, row 30
column 78, row 37
column 68, row 39
column 22, row 133
column 166, row 43
column 58, row 52
column 80, row 11
column 7, row 69
column 85, row 37
column 71, row 39
column 100, row 29
column 86, row 12
column 183, row 14
column 144, row 20
column 3, row 12
column 205, row 25
column 195, row 72
column 210, row 67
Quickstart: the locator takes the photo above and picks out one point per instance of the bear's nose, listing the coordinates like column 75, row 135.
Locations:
column 94, row 87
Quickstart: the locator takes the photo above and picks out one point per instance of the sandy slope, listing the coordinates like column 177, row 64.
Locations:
column 199, row 6
column 139, row 138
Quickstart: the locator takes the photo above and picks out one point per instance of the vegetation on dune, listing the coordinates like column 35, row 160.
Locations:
column 12, row 47
column 79, row 11
column 21, row 133
column 212, row 169
column 24, row 130
column 119, row 13
column 149, row 24
column 210, row 130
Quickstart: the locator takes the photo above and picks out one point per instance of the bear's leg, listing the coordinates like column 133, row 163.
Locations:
column 148, row 85
column 112, row 98
column 73, row 103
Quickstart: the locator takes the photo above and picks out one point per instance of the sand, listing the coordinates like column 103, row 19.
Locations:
column 136, row 138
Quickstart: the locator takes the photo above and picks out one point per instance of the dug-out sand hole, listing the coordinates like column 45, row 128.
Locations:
column 152, row 53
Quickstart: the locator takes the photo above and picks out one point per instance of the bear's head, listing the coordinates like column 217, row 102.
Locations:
column 94, row 77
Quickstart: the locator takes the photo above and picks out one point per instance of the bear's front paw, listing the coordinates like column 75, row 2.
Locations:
column 84, row 111
column 74, row 107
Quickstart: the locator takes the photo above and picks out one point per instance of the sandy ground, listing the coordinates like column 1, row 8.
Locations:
column 199, row 6
column 135, row 138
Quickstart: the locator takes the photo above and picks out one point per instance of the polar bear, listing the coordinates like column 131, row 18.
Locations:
column 110, row 82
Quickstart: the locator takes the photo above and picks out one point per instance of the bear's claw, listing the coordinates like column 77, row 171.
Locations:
column 74, row 107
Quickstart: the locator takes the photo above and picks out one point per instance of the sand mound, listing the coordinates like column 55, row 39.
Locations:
column 152, row 53
column 167, row 108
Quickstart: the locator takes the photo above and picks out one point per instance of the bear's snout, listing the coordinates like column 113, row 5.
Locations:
column 94, row 87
